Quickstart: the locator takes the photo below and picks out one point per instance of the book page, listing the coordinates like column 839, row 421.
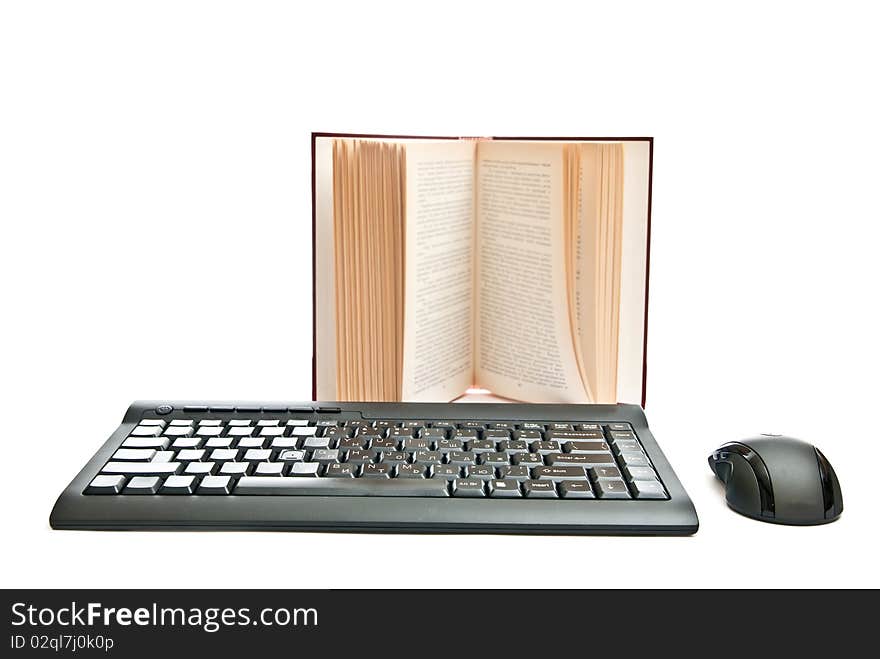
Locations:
column 524, row 345
column 439, row 261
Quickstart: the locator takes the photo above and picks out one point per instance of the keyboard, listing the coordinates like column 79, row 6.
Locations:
column 405, row 467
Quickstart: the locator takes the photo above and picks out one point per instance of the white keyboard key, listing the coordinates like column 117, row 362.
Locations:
column 219, row 442
column 209, row 431
column 240, row 431
column 215, row 485
column 298, row 422
column 178, row 431
column 106, row 485
column 284, row 442
column 257, row 455
column 178, row 485
column 146, row 431
column 158, row 443
column 270, row 431
column 304, row 431
column 269, row 469
column 224, row 454
column 182, row 422
column 210, row 422
column 190, row 455
column 200, row 468
column 153, row 422
column 235, row 468
column 143, row 485
column 263, row 423
column 134, row 454
column 234, row 423
column 163, row 456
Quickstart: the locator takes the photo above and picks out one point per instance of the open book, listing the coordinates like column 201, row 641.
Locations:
column 516, row 266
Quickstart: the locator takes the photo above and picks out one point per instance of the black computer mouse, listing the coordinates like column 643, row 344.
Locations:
column 778, row 479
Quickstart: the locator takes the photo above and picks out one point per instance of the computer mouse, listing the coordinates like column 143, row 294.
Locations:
column 778, row 479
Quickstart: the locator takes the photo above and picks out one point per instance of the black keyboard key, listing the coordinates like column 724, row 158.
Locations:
column 530, row 435
column 504, row 489
column 648, row 490
column 472, row 425
column 481, row 472
column 585, row 460
column 639, row 473
column 411, row 471
column 588, row 427
column 514, row 446
column 420, row 444
column 447, row 445
column 576, row 490
column 482, row 446
column 394, row 457
column 610, row 488
column 384, row 444
column 622, row 427
column 143, row 468
column 545, row 447
column 466, row 434
column 433, row 433
column 496, row 434
column 634, row 459
column 468, row 487
column 349, row 443
column 495, row 459
column 606, row 472
column 559, row 473
column 626, row 445
column 354, row 487
column 585, row 447
column 382, row 470
column 527, row 459
column 445, row 472
column 428, row 457
column 462, row 458
column 338, row 470
column 561, row 426
column 576, row 435
column 516, row 472
column 400, row 433
column 361, row 456
column 539, row 489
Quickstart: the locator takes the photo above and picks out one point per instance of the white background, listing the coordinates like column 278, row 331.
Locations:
column 155, row 205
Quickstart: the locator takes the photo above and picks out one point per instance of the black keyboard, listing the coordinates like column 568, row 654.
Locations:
column 381, row 467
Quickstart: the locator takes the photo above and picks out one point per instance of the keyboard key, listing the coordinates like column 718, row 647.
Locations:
column 178, row 431
column 384, row 444
column 209, row 431
column 146, row 431
column 315, row 443
column 539, row 489
column 297, row 422
column 186, row 443
column 163, row 456
column 627, row 445
column 142, row 468
column 263, row 423
column 152, row 422
column 514, row 446
column 504, row 489
column 561, row 426
column 325, row 455
column 235, row 468
column 224, row 454
column 585, row 447
column 257, row 455
column 577, row 435
column 284, row 442
column 210, row 422
column 530, row 435
column 545, row 447
column 200, row 468
column 528, row 459
column 481, row 472
column 271, row 431
column 428, row 457
column 215, row 485
column 240, row 431
column 585, row 460
column 382, row 470
column 466, row 434
column 411, row 471
column 622, row 436
column 106, row 485
column 178, row 485
column 495, row 459
column 496, row 434
column 605, row 472
column 250, row 442
column 589, row 427
column 338, row 470
column 291, row 455
column 158, row 443
column 407, row 487
column 576, row 490
column 190, row 455
column 134, row 454
column 447, row 445
column 461, row 458
column 348, row 443
column 218, row 442
column 515, row 473
column 639, row 473
column 611, row 488
column 304, row 431
column 305, row 469
column 482, row 446
column 361, row 456
column 445, row 472
column 623, row 427
column 633, row 459
column 417, row 444
column 468, row 487
column 239, row 423
column 559, row 473
column 143, row 485
column 394, row 457
column 648, row 490
column 269, row 469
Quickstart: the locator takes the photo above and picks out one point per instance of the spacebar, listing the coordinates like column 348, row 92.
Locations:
column 341, row 487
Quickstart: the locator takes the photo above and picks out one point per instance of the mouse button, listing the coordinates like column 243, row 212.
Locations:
column 831, row 495
column 743, row 490
column 766, row 505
